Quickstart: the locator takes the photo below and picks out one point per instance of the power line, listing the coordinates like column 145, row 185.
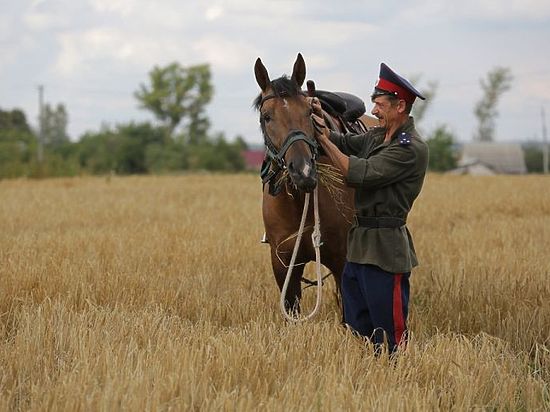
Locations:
column 544, row 142
column 40, row 147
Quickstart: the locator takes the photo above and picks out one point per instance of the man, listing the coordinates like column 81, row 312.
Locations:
column 386, row 166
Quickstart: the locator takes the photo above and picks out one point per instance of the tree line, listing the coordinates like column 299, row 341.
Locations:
column 181, row 139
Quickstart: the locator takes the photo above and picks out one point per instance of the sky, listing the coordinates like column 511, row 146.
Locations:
column 92, row 55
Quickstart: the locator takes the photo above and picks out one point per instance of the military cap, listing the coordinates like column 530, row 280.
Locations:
column 390, row 83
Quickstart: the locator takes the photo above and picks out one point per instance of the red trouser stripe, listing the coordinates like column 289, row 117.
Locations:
column 398, row 318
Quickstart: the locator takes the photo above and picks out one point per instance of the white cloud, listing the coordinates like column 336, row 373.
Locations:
column 502, row 10
column 96, row 46
column 213, row 13
column 265, row 11
column 319, row 61
column 222, row 53
column 122, row 7
column 79, row 49
column 154, row 17
column 424, row 11
column 11, row 52
column 38, row 21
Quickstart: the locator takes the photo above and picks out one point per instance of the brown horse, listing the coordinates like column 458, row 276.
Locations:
column 293, row 154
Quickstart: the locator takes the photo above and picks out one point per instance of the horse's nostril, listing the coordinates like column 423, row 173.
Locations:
column 290, row 167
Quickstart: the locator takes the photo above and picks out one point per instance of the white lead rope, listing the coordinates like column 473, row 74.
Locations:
column 316, row 239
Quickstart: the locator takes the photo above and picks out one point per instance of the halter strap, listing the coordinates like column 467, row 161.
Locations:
column 273, row 96
column 292, row 137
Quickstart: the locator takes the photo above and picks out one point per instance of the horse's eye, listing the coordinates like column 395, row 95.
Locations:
column 267, row 118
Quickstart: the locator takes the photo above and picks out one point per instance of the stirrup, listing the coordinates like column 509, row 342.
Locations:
column 264, row 238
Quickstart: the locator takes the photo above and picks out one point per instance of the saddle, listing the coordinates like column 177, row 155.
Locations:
column 345, row 107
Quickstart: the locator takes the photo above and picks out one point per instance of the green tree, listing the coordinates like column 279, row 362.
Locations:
column 129, row 148
column 14, row 120
column 441, row 145
column 96, row 151
column 217, row 155
column 497, row 82
column 165, row 158
column 178, row 94
column 54, row 126
column 17, row 144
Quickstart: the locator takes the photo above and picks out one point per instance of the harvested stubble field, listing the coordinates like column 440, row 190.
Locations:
column 154, row 293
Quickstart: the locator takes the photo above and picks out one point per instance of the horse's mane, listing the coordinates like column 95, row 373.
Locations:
column 282, row 87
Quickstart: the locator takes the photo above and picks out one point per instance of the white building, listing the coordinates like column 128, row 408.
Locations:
column 488, row 158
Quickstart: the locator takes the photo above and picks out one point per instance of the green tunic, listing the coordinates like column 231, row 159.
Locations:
column 387, row 178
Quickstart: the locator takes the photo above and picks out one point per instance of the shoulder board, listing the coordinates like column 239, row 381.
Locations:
column 405, row 139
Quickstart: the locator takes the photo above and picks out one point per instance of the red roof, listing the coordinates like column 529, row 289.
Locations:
column 253, row 158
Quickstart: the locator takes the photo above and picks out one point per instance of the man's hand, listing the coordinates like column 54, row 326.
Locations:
column 316, row 106
column 321, row 131
column 320, row 127
column 322, row 134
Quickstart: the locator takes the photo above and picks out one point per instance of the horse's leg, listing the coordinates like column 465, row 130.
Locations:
column 294, row 289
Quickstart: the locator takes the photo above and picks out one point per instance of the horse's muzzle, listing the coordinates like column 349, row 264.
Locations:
column 303, row 174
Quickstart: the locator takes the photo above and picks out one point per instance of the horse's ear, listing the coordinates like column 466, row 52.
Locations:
column 262, row 77
column 299, row 71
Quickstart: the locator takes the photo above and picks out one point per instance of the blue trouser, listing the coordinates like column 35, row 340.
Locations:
column 376, row 303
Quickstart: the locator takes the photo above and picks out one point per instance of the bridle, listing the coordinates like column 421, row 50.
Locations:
column 278, row 157
column 293, row 136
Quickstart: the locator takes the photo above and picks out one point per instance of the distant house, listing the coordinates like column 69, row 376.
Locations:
column 487, row 158
column 253, row 158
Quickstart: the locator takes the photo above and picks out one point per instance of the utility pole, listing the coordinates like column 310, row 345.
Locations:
column 544, row 142
column 40, row 150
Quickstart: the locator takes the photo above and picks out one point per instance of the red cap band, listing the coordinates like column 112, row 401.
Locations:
column 401, row 92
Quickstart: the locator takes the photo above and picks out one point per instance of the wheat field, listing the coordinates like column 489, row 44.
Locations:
column 154, row 293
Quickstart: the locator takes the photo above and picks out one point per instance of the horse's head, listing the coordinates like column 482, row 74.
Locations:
column 285, row 119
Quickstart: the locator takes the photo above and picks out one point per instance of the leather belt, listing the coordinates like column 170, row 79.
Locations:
column 379, row 222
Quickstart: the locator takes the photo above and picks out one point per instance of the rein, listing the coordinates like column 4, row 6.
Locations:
column 316, row 240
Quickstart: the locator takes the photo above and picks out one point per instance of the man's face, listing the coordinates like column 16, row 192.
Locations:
column 384, row 110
